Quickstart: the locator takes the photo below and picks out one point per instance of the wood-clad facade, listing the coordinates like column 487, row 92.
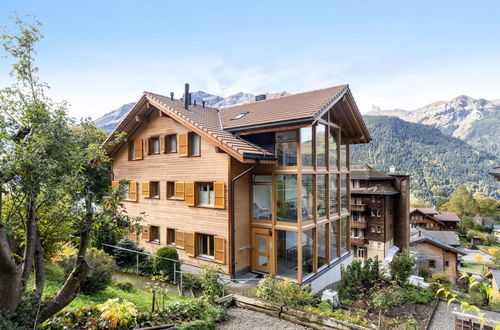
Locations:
column 272, row 200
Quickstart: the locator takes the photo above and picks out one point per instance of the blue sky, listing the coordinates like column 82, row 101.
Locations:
column 98, row 55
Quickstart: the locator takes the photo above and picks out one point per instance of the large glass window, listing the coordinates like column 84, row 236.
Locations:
column 320, row 145
column 286, row 198
column 334, row 239
column 286, row 148
column 344, row 146
column 307, row 252
column 343, row 235
column 334, row 202
column 262, row 197
column 286, row 253
column 321, row 198
column 321, row 243
column 307, row 197
column 206, row 193
column 306, row 146
column 332, row 147
column 343, row 192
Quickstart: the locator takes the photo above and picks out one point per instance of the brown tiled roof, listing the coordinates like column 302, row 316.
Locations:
column 425, row 210
column 365, row 172
column 437, row 215
column 207, row 120
column 291, row 107
column 378, row 189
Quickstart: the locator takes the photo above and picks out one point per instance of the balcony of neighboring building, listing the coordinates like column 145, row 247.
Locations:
column 358, row 240
column 358, row 207
column 358, row 224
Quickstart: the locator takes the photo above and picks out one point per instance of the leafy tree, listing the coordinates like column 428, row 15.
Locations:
column 402, row 266
column 471, row 233
column 51, row 167
column 489, row 207
column 496, row 259
column 462, row 203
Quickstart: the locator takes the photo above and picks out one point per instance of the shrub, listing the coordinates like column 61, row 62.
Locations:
column 190, row 281
column 166, row 267
column 197, row 325
column 438, row 281
column 424, row 272
column 358, row 277
column 126, row 286
column 416, row 295
column 117, row 314
column 285, row 292
column 479, row 296
column 338, row 314
column 402, row 266
column 125, row 258
column 101, row 265
column 384, row 300
column 54, row 273
column 24, row 315
column 211, row 282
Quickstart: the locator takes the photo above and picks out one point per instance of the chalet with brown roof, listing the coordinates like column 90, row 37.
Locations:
column 260, row 187
column 430, row 219
column 380, row 205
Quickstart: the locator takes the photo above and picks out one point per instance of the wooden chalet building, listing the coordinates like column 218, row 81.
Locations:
column 261, row 187
column 430, row 219
column 380, row 205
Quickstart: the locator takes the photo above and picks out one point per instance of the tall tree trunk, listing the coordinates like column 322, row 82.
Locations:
column 29, row 250
column 10, row 275
column 70, row 288
column 39, row 265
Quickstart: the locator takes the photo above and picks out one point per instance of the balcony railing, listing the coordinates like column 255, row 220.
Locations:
column 358, row 241
column 358, row 207
column 358, row 224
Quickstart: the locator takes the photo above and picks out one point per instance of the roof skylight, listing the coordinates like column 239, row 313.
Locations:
column 241, row 115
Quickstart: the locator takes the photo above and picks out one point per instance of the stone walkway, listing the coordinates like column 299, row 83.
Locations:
column 241, row 319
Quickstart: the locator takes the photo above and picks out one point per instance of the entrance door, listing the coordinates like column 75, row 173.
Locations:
column 262, row 252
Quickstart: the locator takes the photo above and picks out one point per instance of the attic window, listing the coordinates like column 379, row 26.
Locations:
column 241, row 115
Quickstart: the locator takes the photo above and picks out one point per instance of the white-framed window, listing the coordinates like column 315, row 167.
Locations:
column 206, row 193
column 361, row 252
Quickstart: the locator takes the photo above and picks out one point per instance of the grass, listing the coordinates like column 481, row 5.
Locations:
column 140, row 298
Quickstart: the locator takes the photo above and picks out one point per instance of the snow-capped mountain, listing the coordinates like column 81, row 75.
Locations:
column 476, row 121
column 109, row 121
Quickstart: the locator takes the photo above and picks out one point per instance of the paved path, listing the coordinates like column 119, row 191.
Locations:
column 242, row 319
column 470, row 254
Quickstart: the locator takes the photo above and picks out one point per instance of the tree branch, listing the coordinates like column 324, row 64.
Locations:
column 29, row 250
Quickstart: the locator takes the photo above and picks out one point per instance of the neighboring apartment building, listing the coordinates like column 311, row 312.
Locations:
column 433, row 253
column 257, row 187
column 379, row 211
column 430, row 219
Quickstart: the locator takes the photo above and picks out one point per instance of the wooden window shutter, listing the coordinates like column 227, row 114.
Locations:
column 145, row 190
column 179, row 239
column 147, row 146
column 189, row 194
column 115, row 185
column 183, row 144
column 189, row 244
column 145, row 233
column 133, row 236
column 179, row 191
column 220, row 250
column 138, row 146
column 132, row 192
column 219, row 194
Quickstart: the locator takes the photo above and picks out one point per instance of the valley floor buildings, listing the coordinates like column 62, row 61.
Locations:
column 262, row 187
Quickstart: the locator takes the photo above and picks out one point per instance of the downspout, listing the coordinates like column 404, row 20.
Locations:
column 233, row 229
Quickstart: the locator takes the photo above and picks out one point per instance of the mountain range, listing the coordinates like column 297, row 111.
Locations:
column 475, row 121
column 441, row 145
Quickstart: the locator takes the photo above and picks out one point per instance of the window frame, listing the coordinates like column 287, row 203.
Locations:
column 191, row 144
column 432, row 263
column 167, row 143
column 211, row 192
column 297, row 144
column 151, row 140
column 170, row 186
column 131, row 150
column 169, row 236
column 156, row 230
column 151, row 190
column 210, row 246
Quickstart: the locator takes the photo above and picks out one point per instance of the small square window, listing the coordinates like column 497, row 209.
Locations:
column 447, row 263
column 171, row 143
column 170, row 190
column 154, row 145
column 432, row 263
column 170, row 236
column 154, row 189
column 154, row 234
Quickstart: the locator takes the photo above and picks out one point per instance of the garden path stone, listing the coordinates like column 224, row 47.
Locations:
column 241, row 319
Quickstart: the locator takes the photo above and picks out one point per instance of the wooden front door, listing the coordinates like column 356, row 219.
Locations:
column 262, row 247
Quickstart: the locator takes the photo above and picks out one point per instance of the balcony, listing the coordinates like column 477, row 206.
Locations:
column 358, row 224
column 358, row 241
column 358, row 207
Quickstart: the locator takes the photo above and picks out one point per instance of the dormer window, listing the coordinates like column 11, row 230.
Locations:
column 241, row 115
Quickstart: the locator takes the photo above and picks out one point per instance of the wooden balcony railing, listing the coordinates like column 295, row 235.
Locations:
column 358, row 207
column 358, row 241
column 358, row 224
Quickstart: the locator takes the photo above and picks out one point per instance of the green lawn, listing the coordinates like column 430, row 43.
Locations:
column 140, row 298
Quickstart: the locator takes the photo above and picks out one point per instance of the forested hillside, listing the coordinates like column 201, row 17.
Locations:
column 437, row 163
